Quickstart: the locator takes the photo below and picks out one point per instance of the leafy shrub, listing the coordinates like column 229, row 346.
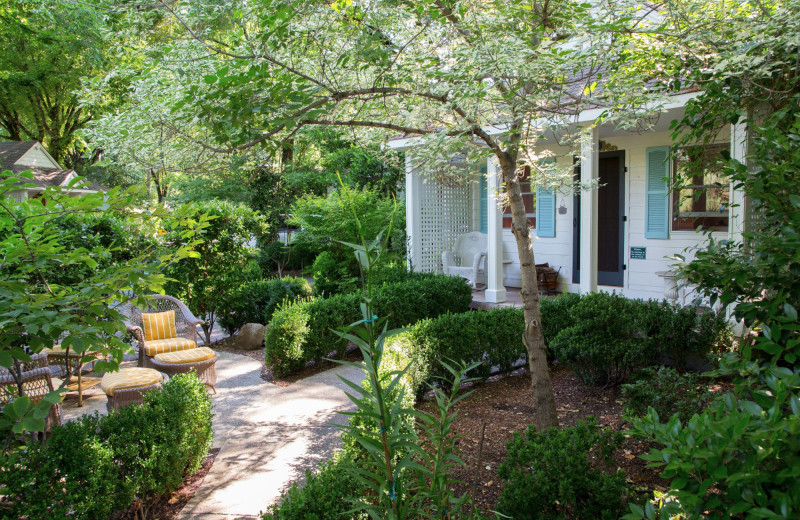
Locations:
column 256, row 301
column 562, row 473
column 223, row 256
column 667, row 391
column 606, row 343
column 681, row 332
column 305, row 331
column 492, row 337
column 328, row 494
column 326, row 223
column 557, row 316
column 332, row 276
column 96, row 465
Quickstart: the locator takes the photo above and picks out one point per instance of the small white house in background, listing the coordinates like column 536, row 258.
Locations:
column 19, row 156
column 615, row 238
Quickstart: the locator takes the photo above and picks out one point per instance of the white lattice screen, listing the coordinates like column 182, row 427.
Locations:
column 446, row 213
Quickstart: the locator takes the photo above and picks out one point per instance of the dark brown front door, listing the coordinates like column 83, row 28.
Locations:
column 610, row 224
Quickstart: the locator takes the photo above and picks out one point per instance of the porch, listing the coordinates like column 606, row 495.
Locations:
column 479, row 302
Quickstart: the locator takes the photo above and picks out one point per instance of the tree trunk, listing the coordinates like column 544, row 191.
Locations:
column 533, row 338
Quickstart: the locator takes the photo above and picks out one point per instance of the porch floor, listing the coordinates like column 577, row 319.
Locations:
column 479, row 302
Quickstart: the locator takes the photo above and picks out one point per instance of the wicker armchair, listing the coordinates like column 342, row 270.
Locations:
column 468, row 258
column 36, row 382
column 185, row 322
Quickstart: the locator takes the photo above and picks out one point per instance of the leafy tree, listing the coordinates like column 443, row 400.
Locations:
column 39, row 306
column 49, row 48
column 220, row 259
column 449, row 73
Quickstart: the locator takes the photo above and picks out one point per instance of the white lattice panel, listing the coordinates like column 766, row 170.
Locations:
column 446, row 212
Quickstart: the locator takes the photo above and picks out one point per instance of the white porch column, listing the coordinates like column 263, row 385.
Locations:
column 495, row 290
column 738, row 201
column 590, row 163
column 413, row 214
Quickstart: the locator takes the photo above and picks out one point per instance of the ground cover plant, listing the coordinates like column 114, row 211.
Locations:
column 96, row 466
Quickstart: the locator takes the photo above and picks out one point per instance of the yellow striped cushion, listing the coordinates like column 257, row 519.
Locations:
column 193, row 355
column 159, row 325
column 129, row 378
column 152, row 348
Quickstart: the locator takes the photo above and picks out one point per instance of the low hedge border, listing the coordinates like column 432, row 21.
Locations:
column 96, row 466
column 303, row 331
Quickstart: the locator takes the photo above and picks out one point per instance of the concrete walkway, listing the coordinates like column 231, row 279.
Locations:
column 268, row 436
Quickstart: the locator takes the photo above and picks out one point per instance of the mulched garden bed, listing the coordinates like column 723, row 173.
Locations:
column 503, row 406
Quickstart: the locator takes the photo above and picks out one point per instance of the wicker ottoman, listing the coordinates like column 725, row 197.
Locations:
column 129, row 385
column 201, row 360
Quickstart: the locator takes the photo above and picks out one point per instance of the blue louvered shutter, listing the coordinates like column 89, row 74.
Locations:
column 546, row 209
column 484, row 201
column 545, row 213
column 656, row 222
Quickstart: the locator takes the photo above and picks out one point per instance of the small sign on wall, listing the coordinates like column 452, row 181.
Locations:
column 638, row 253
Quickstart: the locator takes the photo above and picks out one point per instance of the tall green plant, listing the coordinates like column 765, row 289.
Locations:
column 404, row 479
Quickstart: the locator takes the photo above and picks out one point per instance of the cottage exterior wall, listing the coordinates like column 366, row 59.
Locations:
column 640, row 279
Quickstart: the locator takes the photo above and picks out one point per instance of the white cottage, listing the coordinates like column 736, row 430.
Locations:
column 19, row 156
column 635, row 222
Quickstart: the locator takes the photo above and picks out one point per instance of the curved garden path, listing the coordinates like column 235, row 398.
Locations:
column 267, row 435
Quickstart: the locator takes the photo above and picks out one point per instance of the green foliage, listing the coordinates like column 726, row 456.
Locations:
column 332, row 276
column 95, row 466
column 50, row 50
column 608, row 336
column 201, row 281
column 56, row 290
column 557, row 316
column 492, row 337
column 606, row 343
column 305, row 331
column 566, row 473
column 121, row 239
column 328, row 494
column 269, row 196
column 682, row 333
column 326, row 222
column 256, row 301
column 668, row 392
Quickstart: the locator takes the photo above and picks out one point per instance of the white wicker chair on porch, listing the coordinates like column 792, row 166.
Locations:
column 468, row 258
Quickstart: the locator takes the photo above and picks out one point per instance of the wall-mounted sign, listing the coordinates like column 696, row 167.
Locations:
column 638, row 253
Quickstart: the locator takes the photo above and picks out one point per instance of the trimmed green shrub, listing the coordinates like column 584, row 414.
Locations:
column 681, row 332
column 305, row 331
column 256, row 301
column 668, row 392
column 557, row 316
column 328, row 494
column 565, row 473
column 606, row 343
column 493, row 337
column 95, row 466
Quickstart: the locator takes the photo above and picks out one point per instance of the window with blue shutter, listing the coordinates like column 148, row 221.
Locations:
column 484, row 201
column 546, row 209
column 656, row 206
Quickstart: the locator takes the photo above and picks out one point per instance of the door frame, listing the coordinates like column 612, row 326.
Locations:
column 616, row 279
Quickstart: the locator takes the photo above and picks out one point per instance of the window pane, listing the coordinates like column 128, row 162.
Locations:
column 703, row 194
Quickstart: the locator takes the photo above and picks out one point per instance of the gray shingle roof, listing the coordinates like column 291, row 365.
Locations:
column 11, row 151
